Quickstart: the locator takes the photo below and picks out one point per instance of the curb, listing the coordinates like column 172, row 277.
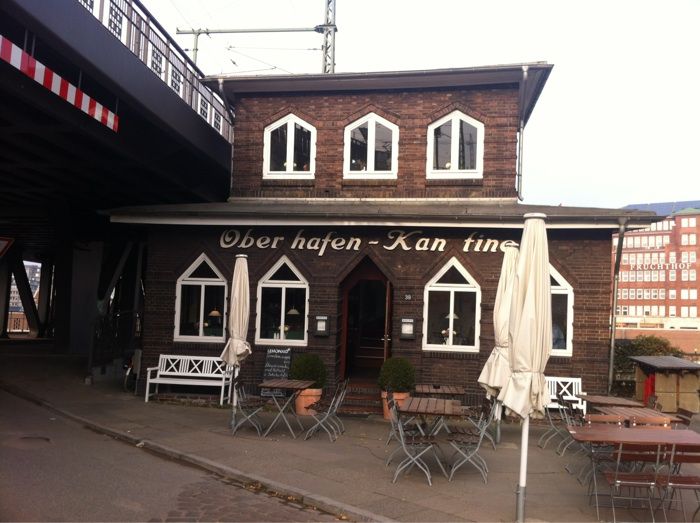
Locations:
column 336, row 508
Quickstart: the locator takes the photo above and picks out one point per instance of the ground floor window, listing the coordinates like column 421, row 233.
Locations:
column 452, row 310
column 562, row 314
column 282, row 305
column 200, row 300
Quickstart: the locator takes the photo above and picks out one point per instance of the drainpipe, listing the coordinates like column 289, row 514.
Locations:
column 521, row 130
column 232, row 116
column 616, row 279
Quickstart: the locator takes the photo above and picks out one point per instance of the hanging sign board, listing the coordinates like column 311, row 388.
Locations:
column 277, row 362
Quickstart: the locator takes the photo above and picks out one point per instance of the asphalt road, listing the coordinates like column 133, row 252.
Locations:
column 53, row 469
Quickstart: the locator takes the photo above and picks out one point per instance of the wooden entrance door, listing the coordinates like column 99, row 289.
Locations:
column 366, row 339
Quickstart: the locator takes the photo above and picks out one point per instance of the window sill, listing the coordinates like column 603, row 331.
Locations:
column 461, row 182
column 287, row 182
column 450, row 350
column 199, row 339
column 370, row 182
column 277, row 342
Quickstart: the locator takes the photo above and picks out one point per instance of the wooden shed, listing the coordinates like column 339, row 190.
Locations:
column 675, row 381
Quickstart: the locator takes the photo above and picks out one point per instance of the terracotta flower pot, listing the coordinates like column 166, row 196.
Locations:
column 399, row 398
column 305, row 398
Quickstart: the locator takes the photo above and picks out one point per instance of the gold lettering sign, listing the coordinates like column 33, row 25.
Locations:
column 396, row 239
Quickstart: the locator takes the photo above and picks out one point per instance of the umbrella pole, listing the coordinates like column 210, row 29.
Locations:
column 499, row 412
column 234, row 402
column 520, row 492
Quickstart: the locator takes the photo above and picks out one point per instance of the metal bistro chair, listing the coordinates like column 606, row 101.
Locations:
column 630, row 480
column 326, row 414
column 414, row 448
column 247, row 406
column 479, row 419
column 675, row 482
column 467, row 447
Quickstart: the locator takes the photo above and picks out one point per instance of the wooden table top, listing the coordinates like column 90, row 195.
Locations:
column 606, row 433
column 609, row 401
column 440, row 390
column 286, row 384
column 431, row 406
column 636, row 412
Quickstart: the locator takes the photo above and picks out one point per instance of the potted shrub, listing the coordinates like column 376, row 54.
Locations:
column 399, row 376
column 309, row 367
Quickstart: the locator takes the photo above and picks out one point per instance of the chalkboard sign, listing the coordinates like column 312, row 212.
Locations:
column 277, row 363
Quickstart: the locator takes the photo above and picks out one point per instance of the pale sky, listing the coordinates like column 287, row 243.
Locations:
column 618, row 121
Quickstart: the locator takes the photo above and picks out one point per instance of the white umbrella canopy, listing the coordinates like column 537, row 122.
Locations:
column 530, row 339
column 237, row 348
column 496, row 371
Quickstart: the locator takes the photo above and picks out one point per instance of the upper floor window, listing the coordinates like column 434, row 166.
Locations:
column 455, row 147
column 200, row 298
column 452, row 310
column 562, row 314
column 371, row 148
column 282, row 306
column 289, row 149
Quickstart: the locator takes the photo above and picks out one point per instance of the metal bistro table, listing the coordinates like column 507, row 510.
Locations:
column 438, row 407
column 294, row 385
column 612, row 434
column 596, row 400
column 627, row 413
column 439, row 390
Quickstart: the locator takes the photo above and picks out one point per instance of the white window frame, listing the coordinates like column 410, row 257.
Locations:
column 185, row 279
column 453, row 172
column 265, row 282
column 289, row 173
column 370, row 173
column 471, row 286
column 563, row 287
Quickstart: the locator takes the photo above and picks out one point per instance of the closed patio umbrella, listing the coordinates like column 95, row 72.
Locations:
column 496, row 371
column 530, row 339
column 237, row 348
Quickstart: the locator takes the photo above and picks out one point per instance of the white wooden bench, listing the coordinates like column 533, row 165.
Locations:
column 568, row 388
column 198, row 371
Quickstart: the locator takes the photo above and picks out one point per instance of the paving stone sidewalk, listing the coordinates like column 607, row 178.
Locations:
column 347, row 478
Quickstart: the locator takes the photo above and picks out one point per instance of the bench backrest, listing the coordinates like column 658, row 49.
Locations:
column 193, row 366
column 568, row 388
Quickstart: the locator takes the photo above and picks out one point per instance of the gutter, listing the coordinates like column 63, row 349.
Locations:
column 616, row 279
column 521, row 130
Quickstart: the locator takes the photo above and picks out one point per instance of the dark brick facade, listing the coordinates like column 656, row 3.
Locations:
column 582, row 257
column 412, row 111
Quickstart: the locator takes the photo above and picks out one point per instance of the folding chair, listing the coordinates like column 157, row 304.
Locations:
column 326, row 414
column 675, row 482
column 248, row 407
column 628, row 480
column 480, row 422
column 467, row 447
column 414, row 448
column 601, row 456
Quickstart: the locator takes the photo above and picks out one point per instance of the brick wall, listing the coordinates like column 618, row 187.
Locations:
column 581, row 257
column 412, row 111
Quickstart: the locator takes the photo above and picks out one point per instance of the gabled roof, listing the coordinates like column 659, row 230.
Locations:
column 485, row 76
column 505, row 213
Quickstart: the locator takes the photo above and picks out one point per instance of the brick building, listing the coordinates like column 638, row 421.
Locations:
column 373, row 209
column 658, row 282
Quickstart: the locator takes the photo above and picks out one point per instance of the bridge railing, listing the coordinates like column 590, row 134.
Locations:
column 137, row 29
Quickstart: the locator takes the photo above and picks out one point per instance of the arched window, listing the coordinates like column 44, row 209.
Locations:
column 371, row 148
column 562, row 314
column 455, row 147
column 289, row 149
column 200, row 303
column 452, row 310
column 282, row 306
